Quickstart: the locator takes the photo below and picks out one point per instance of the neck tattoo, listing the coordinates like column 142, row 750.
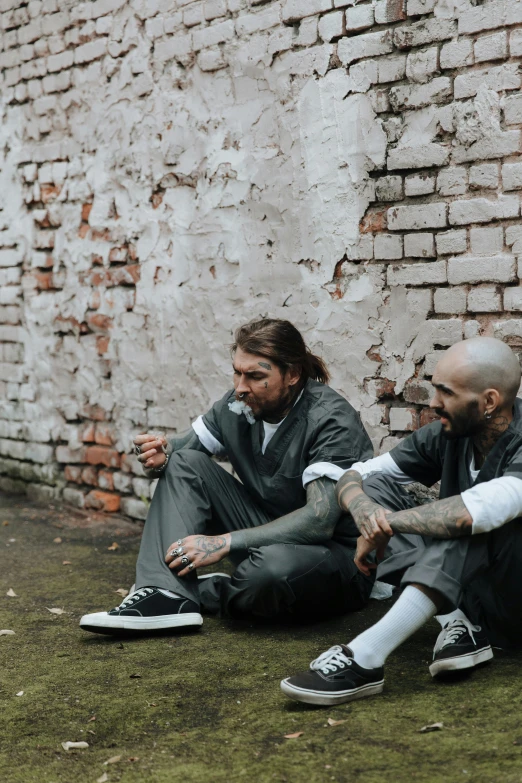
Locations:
column 493, row 430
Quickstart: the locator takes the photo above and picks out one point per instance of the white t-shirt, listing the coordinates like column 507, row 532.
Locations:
column 490, row 504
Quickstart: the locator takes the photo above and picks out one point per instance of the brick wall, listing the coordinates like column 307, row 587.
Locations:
column 171, row 168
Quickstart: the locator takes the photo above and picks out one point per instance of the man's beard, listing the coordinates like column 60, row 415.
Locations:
column 464, row 423
column 274, row 410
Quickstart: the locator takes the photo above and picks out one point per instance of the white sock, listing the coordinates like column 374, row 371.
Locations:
column 444, row 619
column 410, row 612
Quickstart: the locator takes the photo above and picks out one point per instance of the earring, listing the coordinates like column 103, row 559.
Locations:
column 487, row 415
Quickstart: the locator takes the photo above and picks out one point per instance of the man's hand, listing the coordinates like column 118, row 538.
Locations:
column 200, row 551
column 372, row 521
column 152, row 450
column 364, row 548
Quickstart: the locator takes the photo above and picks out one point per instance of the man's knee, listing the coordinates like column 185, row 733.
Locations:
column 196, row 461
column 267, row 566
column 387, row 492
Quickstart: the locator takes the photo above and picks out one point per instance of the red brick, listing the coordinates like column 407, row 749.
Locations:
column 374, row 220
column 125, row 275
column 86, row 211
column 49, row 192
column 84, row 230
column 44, row 280
column 102, row 455
column 97, row 321
column 427, row 415
column 105, row 480
column 100, row 277
column 118, row 254
column 90, row 476
column 88, row 433
column 133, row 252
column 73, row 473
column 95, row 412
column 385, row 388
column 393, row 11
column 103, row 435
column 102, row 501
column 126, row 463
column 102, row 344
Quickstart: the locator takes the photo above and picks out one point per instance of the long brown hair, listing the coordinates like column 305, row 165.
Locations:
column 283, row 344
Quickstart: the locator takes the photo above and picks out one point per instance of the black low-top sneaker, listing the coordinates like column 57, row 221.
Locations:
column 146, row 609
column 460, row 645
column 334, row 678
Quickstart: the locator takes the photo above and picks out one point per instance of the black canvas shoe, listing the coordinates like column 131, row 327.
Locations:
column 334, row 678
column 147, row 609
column 460, row 645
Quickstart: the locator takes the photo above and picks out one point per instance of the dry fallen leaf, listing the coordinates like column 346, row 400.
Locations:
column 7, row 633
column 112, row 760
column 55, row 610
column 113, row 547
column 20, row 693
column 432, row 727
column 133, row 758
column 294, row 736
column 66, row 562
column 103, row 778
column 332, row 722
column 122, row 591
column 69, row 745
column 135, row 676
column 91, row 719
column 5, row 523
column 57, row 540
column 11, row 593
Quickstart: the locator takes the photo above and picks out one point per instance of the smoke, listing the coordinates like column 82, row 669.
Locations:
column 240, row 407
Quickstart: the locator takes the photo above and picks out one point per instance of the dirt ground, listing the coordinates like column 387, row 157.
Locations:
column 206, row 705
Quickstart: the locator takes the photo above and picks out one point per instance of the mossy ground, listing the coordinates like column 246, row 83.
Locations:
column 207, row 705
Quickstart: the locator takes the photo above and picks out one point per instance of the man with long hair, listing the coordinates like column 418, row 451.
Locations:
column 289, row 437
column 458, row 558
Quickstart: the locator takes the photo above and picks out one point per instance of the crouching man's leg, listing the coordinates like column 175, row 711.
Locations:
column 433, row 585
column 308, row 582
column 193, row 490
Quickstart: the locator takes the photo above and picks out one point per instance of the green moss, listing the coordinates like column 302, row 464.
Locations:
column 207, row 705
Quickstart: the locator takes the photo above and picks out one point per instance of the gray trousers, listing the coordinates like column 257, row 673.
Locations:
column 479, row 574
column 195, row 495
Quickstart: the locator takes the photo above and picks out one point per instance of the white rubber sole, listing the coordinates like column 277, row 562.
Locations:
column 328, row 699
column 216, row 573
column 102, row 622
column 461, row 662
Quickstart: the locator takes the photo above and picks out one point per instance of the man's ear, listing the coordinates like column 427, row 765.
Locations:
column 293, row 375
column 492, row 401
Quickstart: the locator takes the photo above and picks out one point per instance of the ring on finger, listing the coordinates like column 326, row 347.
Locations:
column 185, row 561
column 177, row 552
column 191, row 566
column 137, row 451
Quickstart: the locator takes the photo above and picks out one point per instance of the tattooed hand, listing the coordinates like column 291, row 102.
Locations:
column 369, row 517
column 364, row 548
column 200, row 550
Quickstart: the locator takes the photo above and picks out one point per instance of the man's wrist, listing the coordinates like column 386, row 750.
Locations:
column 237, row 540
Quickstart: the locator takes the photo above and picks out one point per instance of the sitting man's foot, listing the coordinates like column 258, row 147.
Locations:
column 460, row 645
column 146, row 609
column 334, row 678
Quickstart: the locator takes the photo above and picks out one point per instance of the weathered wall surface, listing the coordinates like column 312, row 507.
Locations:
column 171, row 168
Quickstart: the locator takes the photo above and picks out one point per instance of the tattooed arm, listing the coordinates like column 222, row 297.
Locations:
column 313, row 523
column 448, row 518
column 370, row 518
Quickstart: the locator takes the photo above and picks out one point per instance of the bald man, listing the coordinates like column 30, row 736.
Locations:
column 459, row 558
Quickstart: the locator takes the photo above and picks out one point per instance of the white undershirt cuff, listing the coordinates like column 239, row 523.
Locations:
column 206, row 438
column 493, row 503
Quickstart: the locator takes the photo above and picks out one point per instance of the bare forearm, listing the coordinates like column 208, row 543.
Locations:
column 448, row 518
column 312, row 524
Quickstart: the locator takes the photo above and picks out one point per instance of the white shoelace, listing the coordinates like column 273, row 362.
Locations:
column 452, row 633
column 142, row 593
column 331, row 660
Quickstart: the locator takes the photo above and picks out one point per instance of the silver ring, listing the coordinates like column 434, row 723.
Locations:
column 191, row 566
column 185, row 561
column 177, row 552
column 179, row 542
column 137, row 450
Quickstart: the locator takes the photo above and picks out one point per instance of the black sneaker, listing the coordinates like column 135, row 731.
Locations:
column 334, row 678
column 146, row 609
column 460, row 645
